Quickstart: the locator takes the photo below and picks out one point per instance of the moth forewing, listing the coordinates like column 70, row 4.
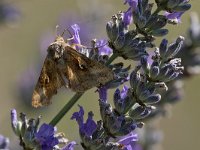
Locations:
column 62, row 63
column 50, row 78
column 84, row 73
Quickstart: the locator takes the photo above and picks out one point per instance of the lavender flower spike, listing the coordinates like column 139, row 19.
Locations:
column 44, row 138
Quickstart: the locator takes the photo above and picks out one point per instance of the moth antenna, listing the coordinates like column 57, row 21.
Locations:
column 63, row 32
column 72, row 36
column 73, row 45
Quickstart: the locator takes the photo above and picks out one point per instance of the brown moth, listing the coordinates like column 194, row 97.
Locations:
column 63, row 63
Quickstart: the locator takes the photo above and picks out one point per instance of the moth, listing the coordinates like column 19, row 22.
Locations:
column 65, row 66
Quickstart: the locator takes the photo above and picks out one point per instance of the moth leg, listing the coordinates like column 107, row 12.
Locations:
column 70, row 38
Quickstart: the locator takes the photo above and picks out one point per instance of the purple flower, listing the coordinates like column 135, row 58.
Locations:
column 128, row 17
column 87, row 128
column 31, row 137
column 4, row 142
column 128, row 142
column 132, row 3
column 79, row 116
column 75, row 33
column 76, row 40
column 45, row 136
column 103, row 93
column 174, row 16
column 14, row 121
column 124, row 91
column 104, row 49
column 122, row 99
column 69, row 146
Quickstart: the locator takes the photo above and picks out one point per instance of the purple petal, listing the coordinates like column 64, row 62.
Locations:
column 69, row 146
column 128, row 17
column 132, row 3
column 133, row 146
column 103, row 93
column 79, row 116
column 126, row 140
column 45, row 136
column 124, row 92
column 76, row 30
column 90, row 126
column 87, row 128
column 14, row 118
column 104, row 49
column 174, row 16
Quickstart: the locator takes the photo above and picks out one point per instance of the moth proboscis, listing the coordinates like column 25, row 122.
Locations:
column 64, row 63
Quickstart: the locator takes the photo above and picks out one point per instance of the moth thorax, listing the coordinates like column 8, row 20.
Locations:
column 55, row 50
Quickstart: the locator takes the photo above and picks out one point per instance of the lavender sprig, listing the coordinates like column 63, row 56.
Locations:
column 190, row 56
column 94, row 136
column 32, row 136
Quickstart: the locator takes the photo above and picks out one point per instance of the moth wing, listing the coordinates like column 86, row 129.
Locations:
column 49, row 81
column 84, row 73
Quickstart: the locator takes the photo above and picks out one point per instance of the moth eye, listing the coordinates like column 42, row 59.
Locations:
column 82, row 66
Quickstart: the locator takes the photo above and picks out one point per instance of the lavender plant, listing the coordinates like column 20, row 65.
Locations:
column 131, row 34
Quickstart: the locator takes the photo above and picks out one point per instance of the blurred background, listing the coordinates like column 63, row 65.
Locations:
column 27, row 28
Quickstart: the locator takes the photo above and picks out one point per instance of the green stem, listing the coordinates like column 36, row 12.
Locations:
column 156, row 11
column 110, row 60
column 65, row 109
column 74, row 99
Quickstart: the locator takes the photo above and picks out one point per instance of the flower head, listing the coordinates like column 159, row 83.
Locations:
column 131, row 3
column 174, row 17
column 103, row 93
column 103, row 48
column 128, row 142
column 87, row 128
column 128, row 17
column 46, row 137
column 76, row 30
column 121, row 40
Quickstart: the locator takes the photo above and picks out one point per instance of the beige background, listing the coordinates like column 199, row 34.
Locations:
column 19, row 47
